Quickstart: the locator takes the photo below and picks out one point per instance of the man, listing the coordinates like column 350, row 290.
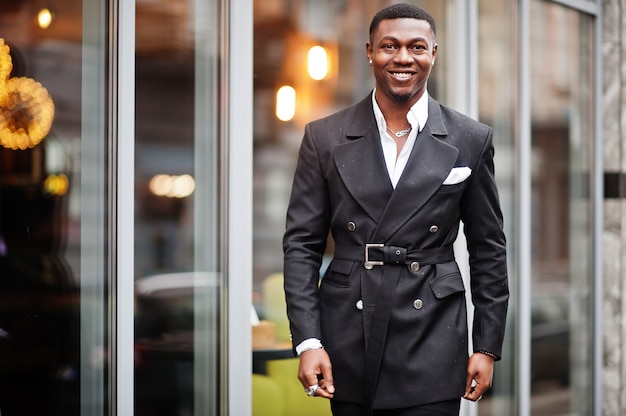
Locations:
column 386, row 331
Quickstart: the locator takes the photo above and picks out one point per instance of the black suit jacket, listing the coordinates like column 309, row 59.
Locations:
column 341, row 184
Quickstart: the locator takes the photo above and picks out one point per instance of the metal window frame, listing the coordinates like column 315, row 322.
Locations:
column 598, row 218
column 466, row 99
column 524, row 199
column 97, row 199
column 122, row 90
column 239, row 235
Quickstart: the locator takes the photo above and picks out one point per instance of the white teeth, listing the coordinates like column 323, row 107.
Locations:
column 402, row 74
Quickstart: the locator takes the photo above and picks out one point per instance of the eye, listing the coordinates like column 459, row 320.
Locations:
column 388, row 46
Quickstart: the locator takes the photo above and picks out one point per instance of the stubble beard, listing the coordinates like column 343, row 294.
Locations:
column 402, row 97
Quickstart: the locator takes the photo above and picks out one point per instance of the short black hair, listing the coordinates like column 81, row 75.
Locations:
column 402, row 11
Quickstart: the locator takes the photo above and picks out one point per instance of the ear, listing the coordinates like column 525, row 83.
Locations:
column 369, row 50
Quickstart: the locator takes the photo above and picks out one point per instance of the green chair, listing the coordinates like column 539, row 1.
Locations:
column 267, row 399
column 285, row 374
column 275, row 306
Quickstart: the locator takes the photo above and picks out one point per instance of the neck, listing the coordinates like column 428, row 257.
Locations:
column 394, row 111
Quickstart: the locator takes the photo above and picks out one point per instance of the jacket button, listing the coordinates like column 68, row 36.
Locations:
column 417, row 304
column 415, row 266
column 351, row 226
column 433, row 229
column 359, row 305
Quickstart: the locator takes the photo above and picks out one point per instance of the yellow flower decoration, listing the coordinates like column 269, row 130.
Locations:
column 6, row 65
column 26, row 109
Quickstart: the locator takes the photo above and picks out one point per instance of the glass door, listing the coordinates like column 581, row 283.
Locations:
column 547, row 367
column 562, row 127
column 178, row 234
column 54, row 192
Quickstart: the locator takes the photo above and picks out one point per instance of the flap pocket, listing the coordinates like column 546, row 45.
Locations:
column 448, row 280
column 341, row 266
column 338, row 273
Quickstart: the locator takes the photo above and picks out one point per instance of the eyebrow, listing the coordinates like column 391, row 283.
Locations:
column 414, row 40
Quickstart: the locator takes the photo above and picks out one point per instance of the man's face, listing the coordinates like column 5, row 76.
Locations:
column 402, row 53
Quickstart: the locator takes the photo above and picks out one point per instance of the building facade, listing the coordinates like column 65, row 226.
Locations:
column 613, row 385
column 147, row 148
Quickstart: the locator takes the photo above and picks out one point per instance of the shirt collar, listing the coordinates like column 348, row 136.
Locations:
column 417, row 115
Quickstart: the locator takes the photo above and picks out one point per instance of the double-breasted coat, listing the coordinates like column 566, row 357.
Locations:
column 397, row 332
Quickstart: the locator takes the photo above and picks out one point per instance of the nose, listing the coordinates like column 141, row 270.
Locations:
column 403, row 55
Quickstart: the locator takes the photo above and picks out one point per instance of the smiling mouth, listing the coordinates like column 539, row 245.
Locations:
column 402, row 75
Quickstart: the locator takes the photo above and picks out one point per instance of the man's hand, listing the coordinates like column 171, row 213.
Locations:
column 315, row 368
column 479, row 376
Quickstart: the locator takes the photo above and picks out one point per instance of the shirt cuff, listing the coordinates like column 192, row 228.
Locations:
column 308, row 344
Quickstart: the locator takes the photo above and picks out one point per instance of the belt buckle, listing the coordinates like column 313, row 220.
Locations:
column 370, row 264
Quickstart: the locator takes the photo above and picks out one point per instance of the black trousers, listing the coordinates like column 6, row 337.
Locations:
column 445, row 408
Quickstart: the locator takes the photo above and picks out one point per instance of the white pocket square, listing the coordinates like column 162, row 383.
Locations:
column 457, row 175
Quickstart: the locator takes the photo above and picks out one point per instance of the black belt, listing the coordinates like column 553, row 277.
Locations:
column 379, row 254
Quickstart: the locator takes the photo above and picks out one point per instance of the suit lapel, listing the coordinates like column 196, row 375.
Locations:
column 361, row 164
column 429, row 163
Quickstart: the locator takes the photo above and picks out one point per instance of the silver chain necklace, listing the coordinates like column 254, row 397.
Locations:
column 400, row 133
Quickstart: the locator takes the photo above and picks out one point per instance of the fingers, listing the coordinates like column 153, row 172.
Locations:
column 479, row 376
column 310, row 367
column 315, row 370
column 326, row 382
column 470, row 388
column 475, row 391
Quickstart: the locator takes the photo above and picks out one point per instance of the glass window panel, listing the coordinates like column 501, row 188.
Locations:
column 53, row 227
column 497, row 106
column 562, row 143
column 177, row 235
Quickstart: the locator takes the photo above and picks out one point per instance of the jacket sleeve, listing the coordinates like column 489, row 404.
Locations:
column 304, row 242
column 483, row 227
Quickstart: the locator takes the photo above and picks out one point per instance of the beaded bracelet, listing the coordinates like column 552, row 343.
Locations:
column 490, row 354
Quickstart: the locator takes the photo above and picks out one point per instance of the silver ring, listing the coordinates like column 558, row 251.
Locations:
column 310, row 391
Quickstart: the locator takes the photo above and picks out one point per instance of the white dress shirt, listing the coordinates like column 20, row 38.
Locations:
column 417, row 116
